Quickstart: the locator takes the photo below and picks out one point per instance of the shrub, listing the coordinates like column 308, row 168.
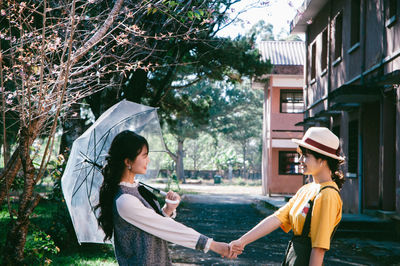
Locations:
column 39, row 246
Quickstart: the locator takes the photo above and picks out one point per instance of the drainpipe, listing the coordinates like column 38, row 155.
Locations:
column 360, row 170
column 305, row 69
column 381, row 131
column 329, row 48
column 269, row 170
column 266, row 128
column 360, row 125
column 329, row 29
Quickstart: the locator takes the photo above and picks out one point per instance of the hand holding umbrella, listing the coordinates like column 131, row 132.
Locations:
column 171, row 197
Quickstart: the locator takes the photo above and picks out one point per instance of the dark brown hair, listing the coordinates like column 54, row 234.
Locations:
column 333, row 164
column 126, row 144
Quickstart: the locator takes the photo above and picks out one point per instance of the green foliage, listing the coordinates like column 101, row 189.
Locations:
column 93, row 257
column 262, row 31
column 173, row 184
column 39, row 247
column 60, row 227
column 234, row 122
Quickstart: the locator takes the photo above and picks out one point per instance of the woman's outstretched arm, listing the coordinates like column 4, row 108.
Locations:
column 265, row 227
column 317, row 256
column 132, row 210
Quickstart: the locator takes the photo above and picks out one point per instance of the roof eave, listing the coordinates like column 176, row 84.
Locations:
column 305, row 14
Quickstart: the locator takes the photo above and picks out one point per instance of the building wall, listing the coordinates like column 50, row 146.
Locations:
column 281, row 126
column 351, row 188
column 377, row 54
column 282, row 184
column 377, row 43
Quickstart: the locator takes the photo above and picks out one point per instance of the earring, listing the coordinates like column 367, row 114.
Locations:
column 129, row 167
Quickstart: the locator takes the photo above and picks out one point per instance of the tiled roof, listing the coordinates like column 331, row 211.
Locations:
column 283, row 52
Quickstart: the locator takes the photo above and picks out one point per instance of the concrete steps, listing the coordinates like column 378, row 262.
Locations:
column 361, row 225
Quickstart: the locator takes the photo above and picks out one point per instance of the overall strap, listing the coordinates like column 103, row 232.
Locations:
column 150, row 198
column 329, row 187
column 307, row 224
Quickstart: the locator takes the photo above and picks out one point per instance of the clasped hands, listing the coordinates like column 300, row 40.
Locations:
column 230, row 251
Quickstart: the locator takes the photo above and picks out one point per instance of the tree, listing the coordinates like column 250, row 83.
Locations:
column 177, row 65
column 263, row 31
column 245, row 124
column 53, row 54
column 186, row 113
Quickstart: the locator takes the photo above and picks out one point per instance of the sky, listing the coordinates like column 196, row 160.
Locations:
column 277, row 12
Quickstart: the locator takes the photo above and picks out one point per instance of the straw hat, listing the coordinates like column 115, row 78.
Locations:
column 321, row 140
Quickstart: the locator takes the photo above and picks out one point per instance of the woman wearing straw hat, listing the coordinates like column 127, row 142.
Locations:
column 315, row 211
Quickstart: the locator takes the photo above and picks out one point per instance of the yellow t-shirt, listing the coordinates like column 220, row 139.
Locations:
column 326, row 214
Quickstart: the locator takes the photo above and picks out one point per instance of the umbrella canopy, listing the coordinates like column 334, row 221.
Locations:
column 82, row 177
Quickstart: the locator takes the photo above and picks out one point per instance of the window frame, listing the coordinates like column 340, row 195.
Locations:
column 291, row 91
column 279, row 162
column 338, row 37
column 313, row 60
column 352, row 161
column 355, row 22
column 324, row 50
column 391, row 12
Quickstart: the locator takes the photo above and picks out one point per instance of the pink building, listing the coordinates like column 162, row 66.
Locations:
column 283, row 109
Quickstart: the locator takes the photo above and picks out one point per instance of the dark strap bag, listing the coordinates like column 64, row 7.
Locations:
column 298, row 251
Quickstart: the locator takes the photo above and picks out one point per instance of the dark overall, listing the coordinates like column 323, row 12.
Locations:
column 299, row 248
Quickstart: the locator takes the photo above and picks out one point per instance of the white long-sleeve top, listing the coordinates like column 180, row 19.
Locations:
column 132, row 210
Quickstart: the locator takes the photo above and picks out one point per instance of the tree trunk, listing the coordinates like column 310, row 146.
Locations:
column 13, row 253
column 8, row 175
column 16, row 236
column 5, row 150
column 244, row 161
column 180, row 172
column 14, row 164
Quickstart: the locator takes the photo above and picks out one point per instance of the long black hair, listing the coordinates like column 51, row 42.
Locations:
column 333, row 164
column 126, row 144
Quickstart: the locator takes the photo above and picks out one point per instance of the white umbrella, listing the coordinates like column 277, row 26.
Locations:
column 82, row 177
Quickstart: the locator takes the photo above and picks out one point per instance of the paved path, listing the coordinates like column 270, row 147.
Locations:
column 227, row 217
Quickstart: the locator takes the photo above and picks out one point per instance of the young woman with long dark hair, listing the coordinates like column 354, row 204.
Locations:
column 315, row 211
column 130, row 214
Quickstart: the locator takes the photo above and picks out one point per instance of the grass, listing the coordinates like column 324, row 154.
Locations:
column 71, row 254
column 86, row 254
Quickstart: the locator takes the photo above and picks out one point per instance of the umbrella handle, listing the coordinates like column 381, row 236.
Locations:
column 168, row 200
column 172, row 201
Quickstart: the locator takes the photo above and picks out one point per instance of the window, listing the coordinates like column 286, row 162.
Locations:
column 391, row 8
column 352, row 161
column 336, row 131
column 338, row 35
column 313, row 60
column 324, row 51
column 355, row 22
column 289, row 163
column 292, row 101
